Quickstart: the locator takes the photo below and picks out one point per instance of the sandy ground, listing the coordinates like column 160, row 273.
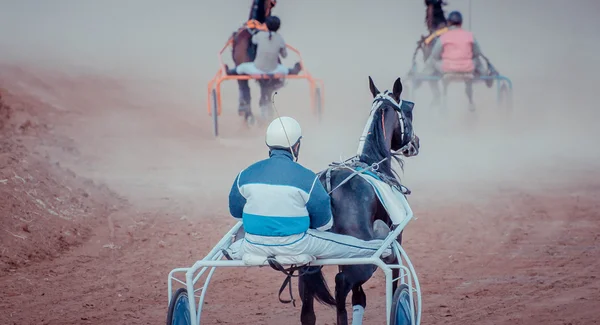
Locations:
column 110, row 176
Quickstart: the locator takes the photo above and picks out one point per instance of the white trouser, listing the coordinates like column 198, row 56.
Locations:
column 250, row 69
column 320, row 244
column 432, row 66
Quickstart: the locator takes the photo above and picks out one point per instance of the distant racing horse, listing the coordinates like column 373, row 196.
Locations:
column 435, row 19
column 355, row 205
column 437, row 24
column 244, row 51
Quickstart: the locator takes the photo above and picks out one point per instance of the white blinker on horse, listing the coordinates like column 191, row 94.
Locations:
column 377, row 102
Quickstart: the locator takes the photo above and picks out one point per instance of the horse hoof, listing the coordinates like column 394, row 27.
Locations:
column 250, row 120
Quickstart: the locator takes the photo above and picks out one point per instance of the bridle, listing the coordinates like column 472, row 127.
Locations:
column 378, row 103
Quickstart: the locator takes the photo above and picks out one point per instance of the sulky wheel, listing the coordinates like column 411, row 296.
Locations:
column 401, row 306
column 179, row 310
column 215, row 113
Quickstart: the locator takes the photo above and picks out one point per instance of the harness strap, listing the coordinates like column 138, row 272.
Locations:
column 289, row 272
column 287, row 282
column 328, row 180
column 356, row 172
column 435, row 34
column 255, row 24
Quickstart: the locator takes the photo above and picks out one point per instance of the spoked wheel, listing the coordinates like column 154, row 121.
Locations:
column 179, row 311
column 214, row 113
column 401, row 306
column 318, row 104
column 505, row 97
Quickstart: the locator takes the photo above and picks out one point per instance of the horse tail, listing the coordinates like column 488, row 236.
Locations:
column 316, row 286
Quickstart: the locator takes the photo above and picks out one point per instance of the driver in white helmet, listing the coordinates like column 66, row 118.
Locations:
column 284, row 208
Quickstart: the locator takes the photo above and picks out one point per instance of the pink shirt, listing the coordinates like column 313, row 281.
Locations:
column 457, row 53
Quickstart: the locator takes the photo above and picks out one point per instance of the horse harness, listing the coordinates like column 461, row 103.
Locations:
column 434, row 35
column 289, row 272
column 254, row 26
column 359, row 167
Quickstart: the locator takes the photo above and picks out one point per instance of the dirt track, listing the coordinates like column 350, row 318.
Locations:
column 109, row 176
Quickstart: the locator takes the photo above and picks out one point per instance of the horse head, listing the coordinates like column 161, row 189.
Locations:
column 435, row 17
column 403, row 138
column 269, row 6
column 388, row 132
column 261, row 9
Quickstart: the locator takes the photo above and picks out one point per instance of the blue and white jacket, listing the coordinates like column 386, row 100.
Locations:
column 279, row 197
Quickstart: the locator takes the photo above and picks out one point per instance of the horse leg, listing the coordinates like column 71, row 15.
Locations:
column 469, row 92
column 268, row 87
column 307, row 315
column 245, row 99
column 444, row 96
column 342, row 289
column 265, row 98
column 359, row 303
column 435, row 89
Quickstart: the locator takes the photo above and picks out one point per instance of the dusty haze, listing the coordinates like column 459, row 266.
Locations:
column 546, row 50
column 143, row 127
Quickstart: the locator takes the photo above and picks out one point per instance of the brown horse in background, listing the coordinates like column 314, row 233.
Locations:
column 245, row 51
column 435, row 19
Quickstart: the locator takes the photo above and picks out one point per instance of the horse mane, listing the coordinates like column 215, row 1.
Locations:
column 258, row 10
column 434, row 15
column 375, row 148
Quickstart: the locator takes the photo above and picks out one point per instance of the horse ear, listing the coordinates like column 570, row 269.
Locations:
column 374, row 89
column 397, row 91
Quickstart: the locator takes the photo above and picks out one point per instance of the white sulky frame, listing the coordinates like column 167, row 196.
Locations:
column 213, row 260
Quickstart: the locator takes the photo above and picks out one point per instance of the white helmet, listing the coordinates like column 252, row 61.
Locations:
column 284, row 132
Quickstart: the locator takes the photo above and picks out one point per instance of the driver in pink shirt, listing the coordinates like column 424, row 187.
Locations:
column 456, row 51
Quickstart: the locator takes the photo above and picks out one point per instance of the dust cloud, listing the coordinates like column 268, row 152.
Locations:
column 168, row 50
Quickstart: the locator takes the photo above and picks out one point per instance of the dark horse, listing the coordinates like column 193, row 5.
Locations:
column 245, row 51
column 355, row 205
column 435, row 19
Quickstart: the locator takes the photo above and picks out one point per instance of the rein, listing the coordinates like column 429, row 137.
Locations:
column 289, row 272
column 363, row 169
column 372, row 167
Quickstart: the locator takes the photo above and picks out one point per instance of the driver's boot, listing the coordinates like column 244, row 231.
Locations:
column 491, row 73
column 490, row 82
column 296, row 69
column 230, row 72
